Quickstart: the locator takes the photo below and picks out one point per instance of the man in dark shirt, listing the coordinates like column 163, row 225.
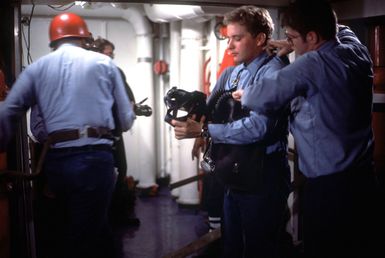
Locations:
column 123, row 200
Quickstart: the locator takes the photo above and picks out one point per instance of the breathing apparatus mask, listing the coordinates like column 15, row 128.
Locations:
column 142, row 110
column 182, row 104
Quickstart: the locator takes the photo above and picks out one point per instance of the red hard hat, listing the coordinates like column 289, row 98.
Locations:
column 67, row 25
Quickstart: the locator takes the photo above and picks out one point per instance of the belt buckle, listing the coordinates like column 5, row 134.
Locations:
column 84, row 133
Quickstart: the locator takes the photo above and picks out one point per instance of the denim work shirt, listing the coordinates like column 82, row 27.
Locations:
column 331, row 89
column 73, row 88
column 252, row 128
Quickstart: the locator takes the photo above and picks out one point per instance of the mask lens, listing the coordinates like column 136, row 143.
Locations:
column 181, row 113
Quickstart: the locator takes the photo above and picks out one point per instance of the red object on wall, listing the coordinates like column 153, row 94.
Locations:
column 206, row 77
column 223, row 31
column 160, row 67
column 227, row 61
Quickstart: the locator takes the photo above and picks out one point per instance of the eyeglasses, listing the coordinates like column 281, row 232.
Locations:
column 290, row 38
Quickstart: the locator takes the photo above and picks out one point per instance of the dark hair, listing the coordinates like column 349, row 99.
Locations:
column 100, row 43
column 311, row 15
column 255, row 19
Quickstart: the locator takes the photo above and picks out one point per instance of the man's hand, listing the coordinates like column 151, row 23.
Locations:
column 282, row 47
column 237, row 95
column 199, row 146
column 187, row 129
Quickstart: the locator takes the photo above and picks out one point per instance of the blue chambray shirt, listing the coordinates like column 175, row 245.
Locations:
column 331, row 89
column 254, row 127
column 73, row 88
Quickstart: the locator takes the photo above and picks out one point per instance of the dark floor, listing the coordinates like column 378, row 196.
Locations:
column 165, row 227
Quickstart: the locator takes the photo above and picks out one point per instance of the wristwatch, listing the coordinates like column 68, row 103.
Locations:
column 205, row 131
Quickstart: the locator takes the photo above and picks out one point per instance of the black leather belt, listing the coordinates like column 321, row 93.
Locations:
column 75, row 134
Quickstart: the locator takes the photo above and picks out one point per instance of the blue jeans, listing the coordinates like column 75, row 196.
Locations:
column 82, row 182
column 253, row 222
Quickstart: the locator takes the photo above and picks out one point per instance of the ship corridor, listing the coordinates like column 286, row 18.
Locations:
column 157, row 49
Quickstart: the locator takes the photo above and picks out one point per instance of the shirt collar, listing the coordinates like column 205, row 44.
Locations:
column 253, row 67
column 69, row 44
column 326, row 46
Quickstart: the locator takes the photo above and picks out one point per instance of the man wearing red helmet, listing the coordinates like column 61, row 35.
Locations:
column 67, row 25
column 74, row 90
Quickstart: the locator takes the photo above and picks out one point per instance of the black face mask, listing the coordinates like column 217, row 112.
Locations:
column 186, row 103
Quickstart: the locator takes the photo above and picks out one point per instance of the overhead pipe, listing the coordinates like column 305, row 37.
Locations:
column 160, row 13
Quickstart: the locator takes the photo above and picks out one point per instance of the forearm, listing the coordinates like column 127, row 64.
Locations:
column 243, row 131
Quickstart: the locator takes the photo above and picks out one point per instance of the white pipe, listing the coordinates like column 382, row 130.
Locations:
column 165, row 79
column 214, row 54
column 161, row 140
column 175, row 48
column 191, row 79
column 146, row 153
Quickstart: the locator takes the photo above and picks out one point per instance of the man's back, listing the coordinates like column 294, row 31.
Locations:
column 73, row 82
column 337, row 109
column 331, row 94
column 74, row 88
